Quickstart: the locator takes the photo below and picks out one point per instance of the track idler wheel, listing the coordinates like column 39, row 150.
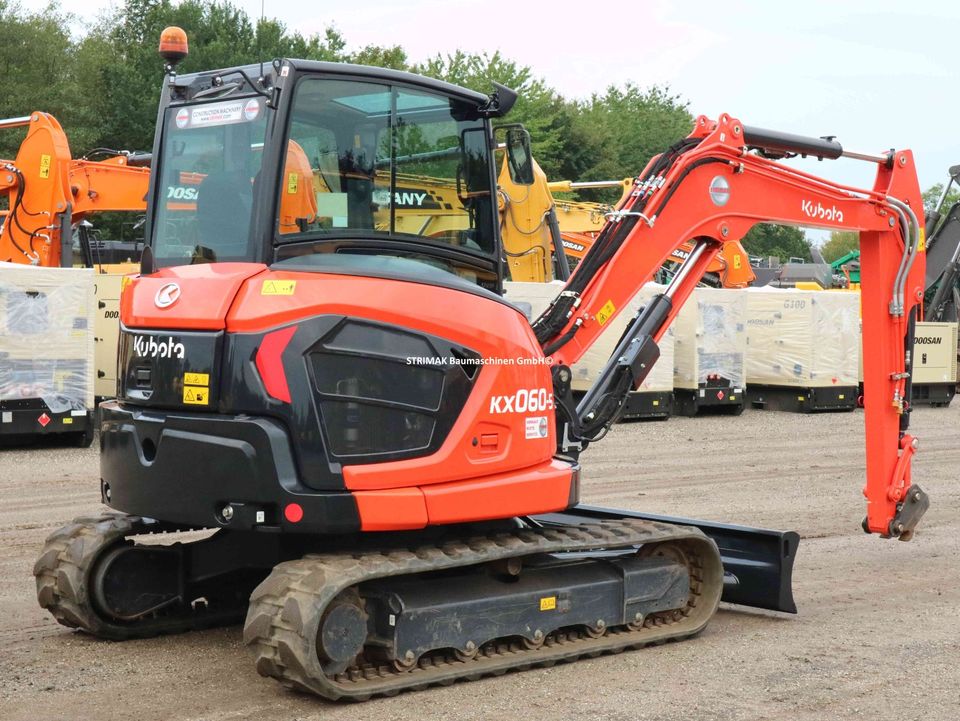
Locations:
column 342, row 633
column 131, row 582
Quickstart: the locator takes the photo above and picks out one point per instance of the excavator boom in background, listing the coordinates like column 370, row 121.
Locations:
column 47, row 192
column 387, row 449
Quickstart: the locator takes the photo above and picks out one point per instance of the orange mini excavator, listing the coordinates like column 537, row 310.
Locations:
column 386, row 448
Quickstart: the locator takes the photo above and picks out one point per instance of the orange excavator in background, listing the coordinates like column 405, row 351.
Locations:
column 386, row 448
column 47, row 192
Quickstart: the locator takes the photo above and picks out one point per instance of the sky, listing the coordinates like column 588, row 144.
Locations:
column 875, row 73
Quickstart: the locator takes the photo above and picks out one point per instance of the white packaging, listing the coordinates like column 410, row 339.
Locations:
column 710, row 338
column 800, row 338
column 46, row 335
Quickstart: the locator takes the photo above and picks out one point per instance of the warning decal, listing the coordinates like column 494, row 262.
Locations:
column 196, row 396
column 605, row 313
column 278, row 287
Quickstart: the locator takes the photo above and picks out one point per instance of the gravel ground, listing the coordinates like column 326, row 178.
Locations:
column 877, row 636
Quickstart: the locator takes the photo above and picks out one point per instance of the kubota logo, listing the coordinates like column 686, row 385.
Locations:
column 152, row 348
column 167, row 295
column 818, row 212
column 525, row 400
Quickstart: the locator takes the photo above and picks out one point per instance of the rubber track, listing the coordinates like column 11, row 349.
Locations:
column 286, row 608
column 63, row 571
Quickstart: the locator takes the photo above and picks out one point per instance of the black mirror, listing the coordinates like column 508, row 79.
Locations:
column 519, row 157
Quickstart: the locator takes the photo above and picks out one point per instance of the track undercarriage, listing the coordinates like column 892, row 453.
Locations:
column 406, row 614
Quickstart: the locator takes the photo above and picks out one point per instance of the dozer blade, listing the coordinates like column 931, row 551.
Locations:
column 757, row 562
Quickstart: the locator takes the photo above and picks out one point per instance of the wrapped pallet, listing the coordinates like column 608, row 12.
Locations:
column 803, row 349
column 709, row 350
column 654, row 398
column 46, row 351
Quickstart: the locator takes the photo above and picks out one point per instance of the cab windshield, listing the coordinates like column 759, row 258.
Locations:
column 210, row 162
column 376, row 162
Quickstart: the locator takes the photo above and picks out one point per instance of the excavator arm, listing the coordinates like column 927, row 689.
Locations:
column 712, row 188
column 47, row 191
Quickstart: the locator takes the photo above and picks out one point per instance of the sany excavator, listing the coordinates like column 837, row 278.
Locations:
column 535, row 225
column 386, row 448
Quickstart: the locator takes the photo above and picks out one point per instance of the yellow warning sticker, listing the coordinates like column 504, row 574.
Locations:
column 548, row 604
column 737, row 263
column 841, row 396
column 196, row 379
column 278, row 287
column 293, row 183
column 605, row 313
column 922, row 245
column 196, row 396
column 44, row 166
column 656, row 403
column 67, row 421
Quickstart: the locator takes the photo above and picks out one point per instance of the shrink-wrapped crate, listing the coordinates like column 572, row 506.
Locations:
column 46, row 349
column 710, row 341
column 807, row 341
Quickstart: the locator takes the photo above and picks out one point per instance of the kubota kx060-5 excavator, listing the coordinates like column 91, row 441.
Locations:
column 387, row 449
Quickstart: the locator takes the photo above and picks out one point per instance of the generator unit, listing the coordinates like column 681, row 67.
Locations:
column 934, row 364
column 654, row 398
column 710, row 341
column 803, row 349
column 106, row 332
column 46, row 353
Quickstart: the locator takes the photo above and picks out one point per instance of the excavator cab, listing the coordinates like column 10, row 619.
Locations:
column 316, row 163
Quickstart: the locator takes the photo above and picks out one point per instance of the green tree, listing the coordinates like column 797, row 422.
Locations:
column 782, row 241
column 619, row 131
column 539, row 107
column 39, row 69
column 841, row 242
column 126, row 73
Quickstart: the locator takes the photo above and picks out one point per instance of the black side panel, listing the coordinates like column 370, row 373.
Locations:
column 184, row 468
column 170, row 369
column 354, row 397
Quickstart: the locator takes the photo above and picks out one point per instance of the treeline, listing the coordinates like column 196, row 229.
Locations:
column 104, row 87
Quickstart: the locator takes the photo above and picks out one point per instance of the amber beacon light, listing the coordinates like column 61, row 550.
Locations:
column 173, row 45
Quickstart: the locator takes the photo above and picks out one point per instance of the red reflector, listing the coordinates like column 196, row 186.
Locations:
column 270, row 363
column 293, row 513
column 43, row 420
